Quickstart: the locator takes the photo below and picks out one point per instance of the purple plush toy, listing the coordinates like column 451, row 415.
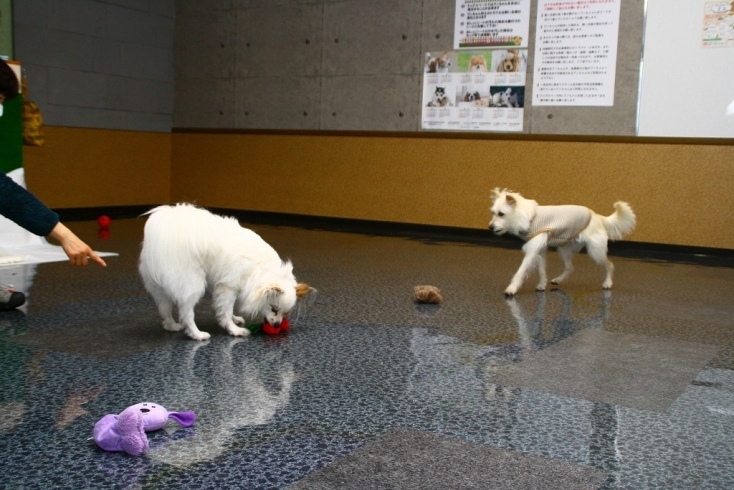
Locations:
column 126, row 431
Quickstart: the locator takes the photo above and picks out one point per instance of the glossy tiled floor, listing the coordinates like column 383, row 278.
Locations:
column 572, row 388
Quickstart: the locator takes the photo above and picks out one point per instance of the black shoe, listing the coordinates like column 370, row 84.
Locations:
column 10, row 299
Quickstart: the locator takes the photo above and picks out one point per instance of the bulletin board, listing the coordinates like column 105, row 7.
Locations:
column 616, row 116
column 687, row 86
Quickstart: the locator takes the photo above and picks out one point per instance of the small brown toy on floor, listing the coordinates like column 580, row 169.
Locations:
column 427, row 294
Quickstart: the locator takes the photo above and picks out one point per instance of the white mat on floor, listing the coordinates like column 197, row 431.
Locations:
column 22, row 246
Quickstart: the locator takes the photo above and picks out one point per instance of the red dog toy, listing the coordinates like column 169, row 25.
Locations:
column 268, row 329
column 271, row 330
column 104, row 221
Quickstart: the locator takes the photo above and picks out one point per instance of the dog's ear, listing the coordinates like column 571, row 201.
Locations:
column 303, row 290
column 510, row 200
column 495, row 194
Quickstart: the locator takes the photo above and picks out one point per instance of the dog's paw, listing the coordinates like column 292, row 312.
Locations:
column 510, row 292
column 540, row 289
column 238, row 320
column 606, row 285
column 238, row 331
column 198, row 335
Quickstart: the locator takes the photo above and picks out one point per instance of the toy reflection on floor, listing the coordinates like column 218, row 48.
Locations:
column 570, row 228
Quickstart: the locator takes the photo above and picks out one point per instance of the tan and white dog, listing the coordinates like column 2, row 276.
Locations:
column 570, row 228
column 437, row 64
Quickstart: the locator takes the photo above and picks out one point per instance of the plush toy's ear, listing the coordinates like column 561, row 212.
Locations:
column 106, row 434
column 130, row 426
column 303, row 290
column 186, row 419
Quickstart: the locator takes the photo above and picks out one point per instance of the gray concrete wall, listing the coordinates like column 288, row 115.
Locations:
column 267, row 64
column 349, row 65
column 98, row 63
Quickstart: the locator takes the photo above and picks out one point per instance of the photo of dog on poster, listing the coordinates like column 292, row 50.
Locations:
column 510, row 61
column 508, row 96
column 473, row 96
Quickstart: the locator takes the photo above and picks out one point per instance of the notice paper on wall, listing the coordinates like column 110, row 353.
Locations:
column 478, row 90
column 718, row 24
column 575, row 52
column 491, row 23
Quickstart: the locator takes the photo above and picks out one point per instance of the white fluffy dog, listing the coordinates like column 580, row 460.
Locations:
column 187, row 249
column 567, row 227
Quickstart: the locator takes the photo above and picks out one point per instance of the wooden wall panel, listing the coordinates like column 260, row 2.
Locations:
column 79, row 168
column 680, row 192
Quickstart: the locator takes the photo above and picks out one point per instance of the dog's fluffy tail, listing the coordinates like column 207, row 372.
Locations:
column 620, row 223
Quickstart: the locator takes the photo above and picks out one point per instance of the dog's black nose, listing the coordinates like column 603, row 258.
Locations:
column 276, row 324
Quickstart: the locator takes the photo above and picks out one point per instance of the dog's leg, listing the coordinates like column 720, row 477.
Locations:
column 186, row 318
column 598, row 251
column 531, row 250
column 542, row 276
column 224, row 301
column 566, row 252
column 165, row 308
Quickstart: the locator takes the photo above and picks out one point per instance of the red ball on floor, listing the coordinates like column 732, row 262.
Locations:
column 104, row 221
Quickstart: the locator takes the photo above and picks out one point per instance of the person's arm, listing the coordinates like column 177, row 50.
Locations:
column 78, row 251
column 26, row 210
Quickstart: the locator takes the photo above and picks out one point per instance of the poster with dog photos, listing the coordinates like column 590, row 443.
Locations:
column 479, row 90
column 491, row 24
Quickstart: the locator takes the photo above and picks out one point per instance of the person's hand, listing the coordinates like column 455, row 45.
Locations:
column 79, row 252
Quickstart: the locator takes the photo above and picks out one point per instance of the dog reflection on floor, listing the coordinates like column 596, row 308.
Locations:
column 535, row 333
column 234, row 394
column 531, row 329
column 449, row 369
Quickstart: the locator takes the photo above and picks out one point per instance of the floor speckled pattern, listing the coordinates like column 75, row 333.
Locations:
column 572, row 388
